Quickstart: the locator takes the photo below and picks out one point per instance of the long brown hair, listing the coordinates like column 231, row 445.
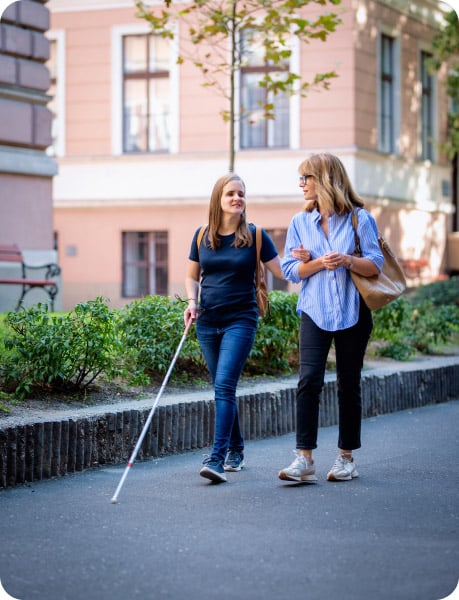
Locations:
column 334, row 189
column 243, row 236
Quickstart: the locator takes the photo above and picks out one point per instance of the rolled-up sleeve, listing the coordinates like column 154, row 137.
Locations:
column 289, row 264
column 367, row 230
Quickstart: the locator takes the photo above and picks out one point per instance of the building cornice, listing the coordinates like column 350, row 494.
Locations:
column 26, row 161
column 428, row 12
column 57, row 6
column 23, row 94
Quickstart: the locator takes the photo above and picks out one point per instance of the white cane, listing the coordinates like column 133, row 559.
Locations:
column 150, row 416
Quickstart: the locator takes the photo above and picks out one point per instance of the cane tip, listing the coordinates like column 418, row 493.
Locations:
column 114, row 501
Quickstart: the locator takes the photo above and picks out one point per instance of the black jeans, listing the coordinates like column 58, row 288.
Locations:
column 350, row 347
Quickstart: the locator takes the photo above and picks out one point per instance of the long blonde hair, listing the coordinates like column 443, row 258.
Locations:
column 243, row 236
column 335, row 193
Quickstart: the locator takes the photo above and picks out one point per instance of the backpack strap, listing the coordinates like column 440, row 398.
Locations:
column 258, row 242
column 259, row 266
column 200, row 236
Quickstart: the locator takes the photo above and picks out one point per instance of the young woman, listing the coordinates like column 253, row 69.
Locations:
column 330, row 308
column 220, row 288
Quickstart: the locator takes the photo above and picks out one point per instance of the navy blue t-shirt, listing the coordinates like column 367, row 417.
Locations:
column 227, row 276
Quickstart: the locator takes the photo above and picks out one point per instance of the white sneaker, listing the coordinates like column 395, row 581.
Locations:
column 300, row 470
column 343, row 469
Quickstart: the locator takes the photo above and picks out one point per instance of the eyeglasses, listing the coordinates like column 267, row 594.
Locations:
column 304, row 179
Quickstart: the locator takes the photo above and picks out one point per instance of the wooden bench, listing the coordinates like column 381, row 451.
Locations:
column 13, row 254
column 414, row 267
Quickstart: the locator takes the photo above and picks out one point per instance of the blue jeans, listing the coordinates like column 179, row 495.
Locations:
column 350, row 347
column 226, row 349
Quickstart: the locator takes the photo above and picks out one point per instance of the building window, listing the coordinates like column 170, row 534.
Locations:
column 52, row 104
column 427, row 109
column 146, row 94
column 56, row 104
column 278, row 236
column 387, row 94
column 255, row 130
column 144, row 263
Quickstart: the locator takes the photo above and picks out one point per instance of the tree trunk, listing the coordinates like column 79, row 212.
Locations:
column 232, row 89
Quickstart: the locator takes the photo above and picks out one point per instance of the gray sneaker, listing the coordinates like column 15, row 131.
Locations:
column 300, row 470
column 343, row 469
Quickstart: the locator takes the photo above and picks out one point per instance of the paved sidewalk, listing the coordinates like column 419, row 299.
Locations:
column 390, row 534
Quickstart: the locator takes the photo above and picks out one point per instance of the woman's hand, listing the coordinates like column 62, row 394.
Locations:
column 192, row 291
column 301, row 253
column 334, row 260
column 191, row 313
column 363, row 266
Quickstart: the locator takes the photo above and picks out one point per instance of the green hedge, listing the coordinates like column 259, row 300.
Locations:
column 63, row 352
column 440, row 293
column 401, row 329
column 135, row 345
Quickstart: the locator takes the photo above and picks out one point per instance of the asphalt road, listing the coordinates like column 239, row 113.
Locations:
column 391, row 534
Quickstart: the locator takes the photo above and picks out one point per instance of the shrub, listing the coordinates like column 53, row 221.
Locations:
column 275, row 349
column 150, row 330
column 136, row 344
column 438, row 292
column 432, row 325
column 65, row 352
column 404, row 328
column 390, row 324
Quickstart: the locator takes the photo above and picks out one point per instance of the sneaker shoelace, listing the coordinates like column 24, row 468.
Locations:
column 208, row 460
column 234, row 456
column 342, row 461
column 299, row 462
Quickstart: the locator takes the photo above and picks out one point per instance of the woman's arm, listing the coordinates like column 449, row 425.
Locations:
column 274, row 267
column 372, row 260
column 361, row 266
column 192, row 291
column 291, row 260
column 334, row 260
column 367, row 266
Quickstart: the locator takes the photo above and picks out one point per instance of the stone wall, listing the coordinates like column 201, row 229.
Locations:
column 26, row 170
column 40, row 450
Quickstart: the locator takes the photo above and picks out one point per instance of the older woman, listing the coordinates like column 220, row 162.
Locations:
column 330, row 308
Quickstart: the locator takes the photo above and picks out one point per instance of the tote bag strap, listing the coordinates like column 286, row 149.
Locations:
column 355, row 221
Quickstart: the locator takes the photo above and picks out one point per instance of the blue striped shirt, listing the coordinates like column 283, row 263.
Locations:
column 330, row 298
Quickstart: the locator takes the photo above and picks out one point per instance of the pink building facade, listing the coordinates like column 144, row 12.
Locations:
column 140, row 142
column 26, row 170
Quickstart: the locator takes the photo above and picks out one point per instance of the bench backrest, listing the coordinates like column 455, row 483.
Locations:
column 10, row 254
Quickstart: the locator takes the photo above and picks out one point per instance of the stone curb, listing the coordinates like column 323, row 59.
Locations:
column 52, row 448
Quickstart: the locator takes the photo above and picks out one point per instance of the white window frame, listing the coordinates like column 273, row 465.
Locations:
column 152, row 263
column 395, row 35
column 118, row 32
column 424, row 48
column 294, row 104
column 58, row 36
